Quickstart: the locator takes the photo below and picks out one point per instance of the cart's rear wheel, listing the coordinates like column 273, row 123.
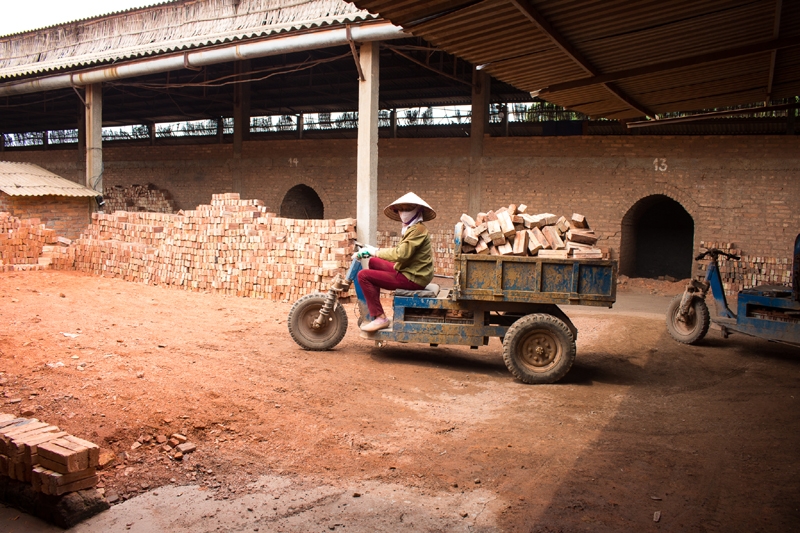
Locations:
column 301, row 323
column 694, row 326
column 539, row 348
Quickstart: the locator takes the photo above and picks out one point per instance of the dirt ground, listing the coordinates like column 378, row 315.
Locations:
column 428, row 439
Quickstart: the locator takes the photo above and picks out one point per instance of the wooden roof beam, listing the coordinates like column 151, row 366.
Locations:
column 730, row 53
column 776, row 30
column 525, row 7
column 713, row 114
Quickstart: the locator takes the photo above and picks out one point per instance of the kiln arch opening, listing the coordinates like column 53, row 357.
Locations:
column 657, row 239
column 301, row 201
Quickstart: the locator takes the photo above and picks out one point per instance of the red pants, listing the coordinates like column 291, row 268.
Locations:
column 382, row 275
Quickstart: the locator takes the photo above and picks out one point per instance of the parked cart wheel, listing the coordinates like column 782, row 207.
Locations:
column 694, row 325
column 539, row 348
column 301, row 323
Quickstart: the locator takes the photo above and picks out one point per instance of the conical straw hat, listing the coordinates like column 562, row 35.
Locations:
column 427, row 211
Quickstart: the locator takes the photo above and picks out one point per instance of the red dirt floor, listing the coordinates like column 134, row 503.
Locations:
column 707, row 435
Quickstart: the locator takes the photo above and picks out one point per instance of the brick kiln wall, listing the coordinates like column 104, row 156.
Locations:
column 743, row 190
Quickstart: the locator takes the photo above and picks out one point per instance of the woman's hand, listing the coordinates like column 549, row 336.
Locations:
column 366, row 252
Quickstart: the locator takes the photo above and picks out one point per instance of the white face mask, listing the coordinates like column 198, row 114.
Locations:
column 407, row 216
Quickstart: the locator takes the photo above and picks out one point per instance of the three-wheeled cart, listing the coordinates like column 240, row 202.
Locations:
column 770, row 312
column 514, row 298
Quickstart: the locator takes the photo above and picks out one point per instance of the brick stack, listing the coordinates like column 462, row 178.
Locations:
column 232, row 246
column 22, row 242
column 443, row 250
column 512, row 231
column 748, row 271
column 147, row 198
column 52, row 461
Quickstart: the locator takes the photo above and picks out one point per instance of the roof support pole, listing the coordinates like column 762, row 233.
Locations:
column 94, row 137
column 241, row 120
column 241, row 106
column 481, row 86
column 367, row 158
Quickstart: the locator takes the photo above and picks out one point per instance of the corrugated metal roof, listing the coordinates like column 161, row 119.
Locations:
column 536, row 44
column 163, row 28
column 26, row 179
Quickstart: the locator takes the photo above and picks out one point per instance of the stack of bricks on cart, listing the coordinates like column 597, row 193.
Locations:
column 747, row 271
column 52, row 461
column 512, row 231
column 232, row 246
column 147, row 198
column 22, row 242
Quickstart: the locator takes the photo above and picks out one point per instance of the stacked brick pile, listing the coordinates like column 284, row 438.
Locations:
column 441, row 244
column 147, row 198
column 232, row 246
column 513, row 231
column 52, row 461
column 748, row 271
column 22, row 242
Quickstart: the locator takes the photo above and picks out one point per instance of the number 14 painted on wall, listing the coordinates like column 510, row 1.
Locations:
column 660, row 164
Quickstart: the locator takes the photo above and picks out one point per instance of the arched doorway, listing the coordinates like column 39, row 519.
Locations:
column 657, row 239
column 302, row 202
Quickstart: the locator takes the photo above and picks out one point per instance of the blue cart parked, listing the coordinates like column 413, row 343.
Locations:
column 514, row 298
column 770, row 312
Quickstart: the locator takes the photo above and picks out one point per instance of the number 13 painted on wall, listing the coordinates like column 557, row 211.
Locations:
column 660, row 164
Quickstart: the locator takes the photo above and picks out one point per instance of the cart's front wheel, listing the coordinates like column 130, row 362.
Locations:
column 301, row 323
column 691, row 328
column 539, row 348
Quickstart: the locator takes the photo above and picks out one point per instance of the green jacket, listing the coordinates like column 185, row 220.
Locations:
column 413, row 257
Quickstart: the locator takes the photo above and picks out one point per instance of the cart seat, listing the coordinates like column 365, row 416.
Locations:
column 431, row 291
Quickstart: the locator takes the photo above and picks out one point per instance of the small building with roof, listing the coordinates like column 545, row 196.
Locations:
column 29, row 191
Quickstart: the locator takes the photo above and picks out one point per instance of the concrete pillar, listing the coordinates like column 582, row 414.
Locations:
column 45, row 139
column 220, row 130
column 94, row 137
column 80, row 175
column 367, row 165
column 478, row 127
column 151, row 130
column 394, row 123
column 300, row 125
column 2, row 142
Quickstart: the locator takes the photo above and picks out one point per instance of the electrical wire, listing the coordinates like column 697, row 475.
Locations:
column 220, row 82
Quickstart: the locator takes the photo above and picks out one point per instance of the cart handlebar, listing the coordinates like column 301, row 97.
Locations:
column 714, row 253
